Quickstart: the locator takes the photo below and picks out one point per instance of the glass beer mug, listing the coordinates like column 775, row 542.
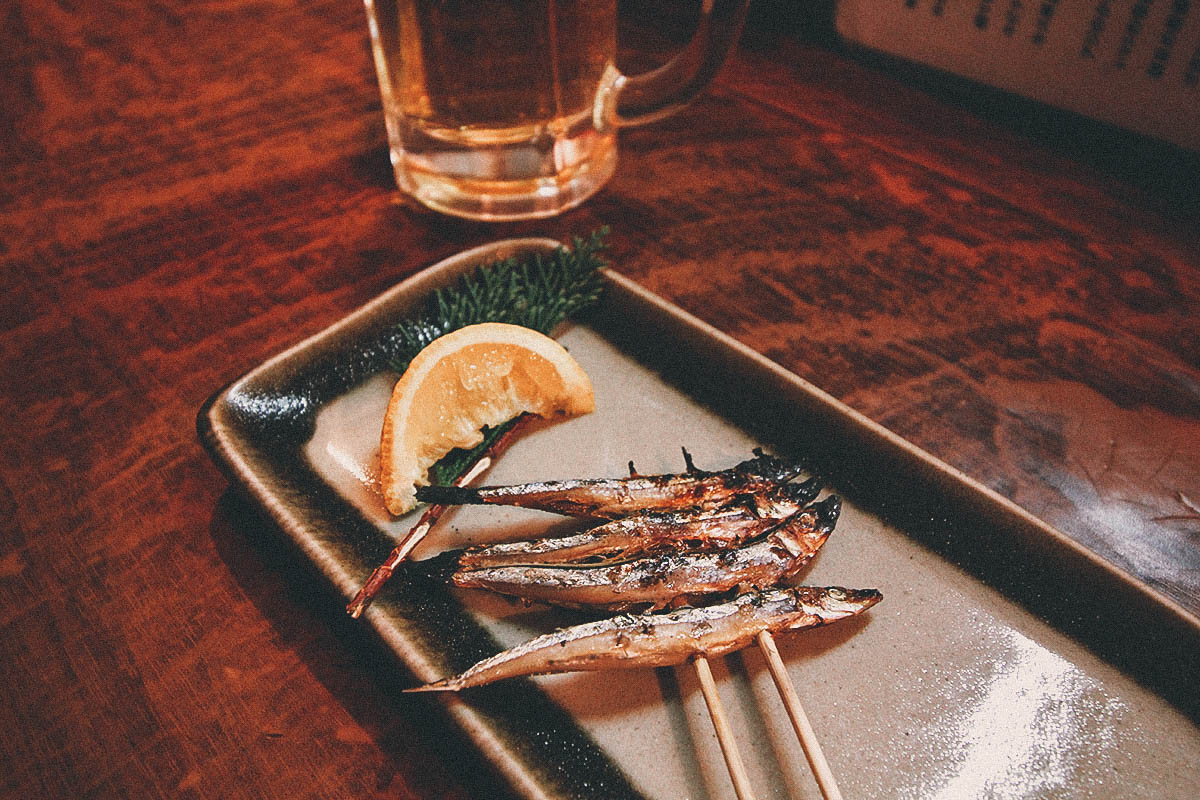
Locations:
column 508, row 109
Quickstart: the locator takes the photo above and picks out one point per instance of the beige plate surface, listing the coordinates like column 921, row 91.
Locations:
column 1003, row 662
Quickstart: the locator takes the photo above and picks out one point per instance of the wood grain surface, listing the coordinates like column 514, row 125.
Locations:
column 189, row 188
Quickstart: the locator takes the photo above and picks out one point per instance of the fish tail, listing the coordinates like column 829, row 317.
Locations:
column 468, row 577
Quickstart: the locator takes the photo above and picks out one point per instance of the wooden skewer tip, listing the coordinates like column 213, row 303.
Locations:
column 729, row 749
column 804, row 730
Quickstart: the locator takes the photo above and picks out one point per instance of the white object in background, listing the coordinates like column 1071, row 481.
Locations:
column 1133, row 63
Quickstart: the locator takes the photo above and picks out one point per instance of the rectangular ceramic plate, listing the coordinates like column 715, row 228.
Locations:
column 1004, row 661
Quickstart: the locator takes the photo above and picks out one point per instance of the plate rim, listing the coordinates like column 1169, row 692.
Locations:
column 213, row 432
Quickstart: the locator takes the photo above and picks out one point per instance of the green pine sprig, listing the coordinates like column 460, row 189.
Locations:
column 537, row 291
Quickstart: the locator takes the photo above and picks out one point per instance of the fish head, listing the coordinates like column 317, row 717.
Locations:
column 827, row 511
column 767, row 468
column 803, row 533
column 786, row 499
column 835, row 602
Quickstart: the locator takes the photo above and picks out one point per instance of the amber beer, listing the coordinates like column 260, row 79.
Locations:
column 506, row 109
column 494, row 97
column 508, row 66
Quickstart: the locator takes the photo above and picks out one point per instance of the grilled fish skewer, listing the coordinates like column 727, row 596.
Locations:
column 652, row 532
column 658, row 580
column 610, row 498
column 657, row 640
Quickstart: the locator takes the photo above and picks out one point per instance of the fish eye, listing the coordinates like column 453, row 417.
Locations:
column 837, row 594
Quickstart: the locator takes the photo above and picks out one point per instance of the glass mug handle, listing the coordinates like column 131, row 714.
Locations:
column 627, row 100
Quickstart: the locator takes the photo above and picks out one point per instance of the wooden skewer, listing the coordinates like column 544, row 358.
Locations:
column 733, row 760
column 432, row 514
column 795, row 711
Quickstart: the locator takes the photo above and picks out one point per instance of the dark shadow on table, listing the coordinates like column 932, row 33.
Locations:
column 358, row 670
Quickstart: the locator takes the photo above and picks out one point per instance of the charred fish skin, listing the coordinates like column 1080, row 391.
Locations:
column 658, row 580
column 610, row 498
column 649, row 532
column 798, row 494
column 656, row 640
column 625, row 539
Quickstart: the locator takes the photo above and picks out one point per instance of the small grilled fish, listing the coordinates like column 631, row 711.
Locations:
column 657, row 640
column 653, row 532
column 659, row 580
column 610, row 498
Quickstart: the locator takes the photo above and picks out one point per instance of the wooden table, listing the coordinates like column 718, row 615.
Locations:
column 188, row 189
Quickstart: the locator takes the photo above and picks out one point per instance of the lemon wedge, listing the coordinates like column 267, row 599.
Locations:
column 477, row 376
